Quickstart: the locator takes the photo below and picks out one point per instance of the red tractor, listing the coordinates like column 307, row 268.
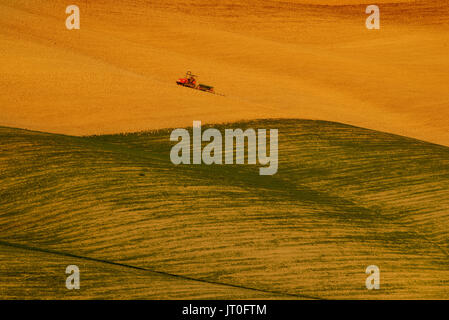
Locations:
column 190, row 80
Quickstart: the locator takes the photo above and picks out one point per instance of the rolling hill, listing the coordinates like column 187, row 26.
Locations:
column 140, row 227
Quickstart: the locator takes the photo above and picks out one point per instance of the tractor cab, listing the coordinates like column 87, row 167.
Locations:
column 188, row 81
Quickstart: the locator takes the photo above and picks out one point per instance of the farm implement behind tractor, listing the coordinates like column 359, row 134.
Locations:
column 191, row 81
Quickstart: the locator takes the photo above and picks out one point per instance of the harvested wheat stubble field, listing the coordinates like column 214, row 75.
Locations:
column 272, row 59
column 140, row 227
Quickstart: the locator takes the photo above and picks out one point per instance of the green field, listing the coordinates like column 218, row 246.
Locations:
column 140, row 227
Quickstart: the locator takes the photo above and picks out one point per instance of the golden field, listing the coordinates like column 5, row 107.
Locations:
column 272, row 59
